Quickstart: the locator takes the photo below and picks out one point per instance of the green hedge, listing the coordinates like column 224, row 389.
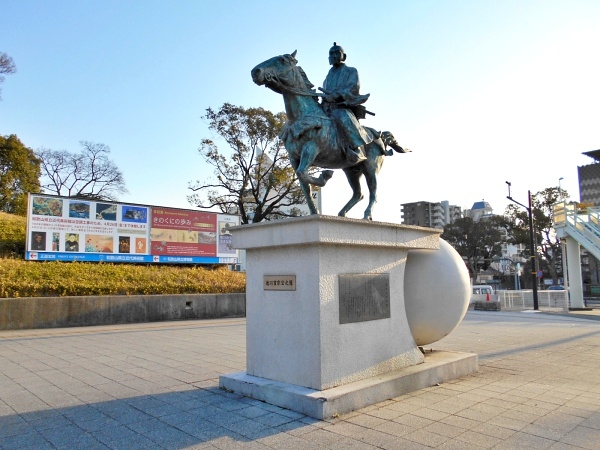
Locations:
column 54, row 279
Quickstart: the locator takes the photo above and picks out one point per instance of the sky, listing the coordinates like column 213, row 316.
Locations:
column 481, row 91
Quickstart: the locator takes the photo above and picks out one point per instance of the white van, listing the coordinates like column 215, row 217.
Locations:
column 480, row 293
column 483, row 289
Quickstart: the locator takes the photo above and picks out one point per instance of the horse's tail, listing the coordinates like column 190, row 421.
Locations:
column 389, row 140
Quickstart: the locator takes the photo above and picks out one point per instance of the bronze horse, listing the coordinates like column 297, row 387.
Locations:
column 311, row 137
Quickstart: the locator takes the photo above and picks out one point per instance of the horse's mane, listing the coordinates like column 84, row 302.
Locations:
column 291, row 59
column 307, row 82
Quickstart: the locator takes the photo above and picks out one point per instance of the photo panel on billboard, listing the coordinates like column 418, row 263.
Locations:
column 73, row 229
column 177, row 232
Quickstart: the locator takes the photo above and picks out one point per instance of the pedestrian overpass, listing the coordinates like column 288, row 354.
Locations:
column 576, row 228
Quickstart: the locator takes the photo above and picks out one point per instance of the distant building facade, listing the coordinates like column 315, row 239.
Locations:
column 589, row 193
column 510, row 260
column 589, row 180
column 428, row 214
column 439, row 214
column 479, row 210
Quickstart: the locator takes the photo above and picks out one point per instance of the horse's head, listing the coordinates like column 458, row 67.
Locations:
column 279, row 73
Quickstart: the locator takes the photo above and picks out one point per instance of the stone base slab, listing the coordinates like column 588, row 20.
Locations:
column 439, row 367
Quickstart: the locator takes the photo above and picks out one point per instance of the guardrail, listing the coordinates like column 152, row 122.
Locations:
column 523, row 300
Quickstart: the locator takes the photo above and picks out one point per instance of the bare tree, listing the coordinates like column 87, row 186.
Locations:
column 253, row 177
column 88, row 174
column 7, row 66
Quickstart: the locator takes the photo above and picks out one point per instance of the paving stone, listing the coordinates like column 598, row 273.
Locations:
column 30, row 438
column 460, row 422
column 156, row 386
column 592, row 422
column 69, row 437
column 479, row 440
column 395, row 428
column 443, row 429
column 426, row 438
column 252, row 411
column 249, row 428
column 521, row 440
column 366, row 420
column 414, row 421
column 286, row 441
column 583, row 437
column 384, row 413
column 274, row 419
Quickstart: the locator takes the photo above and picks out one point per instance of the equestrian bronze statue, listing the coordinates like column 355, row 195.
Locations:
column 327, row 134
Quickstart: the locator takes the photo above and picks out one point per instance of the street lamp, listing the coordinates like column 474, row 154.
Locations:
column 560, row 187
column 531, row 244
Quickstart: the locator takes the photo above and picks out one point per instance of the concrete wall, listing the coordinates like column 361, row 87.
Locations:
column 53, row 312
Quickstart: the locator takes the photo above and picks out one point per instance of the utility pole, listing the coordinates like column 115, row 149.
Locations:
column 531, row 244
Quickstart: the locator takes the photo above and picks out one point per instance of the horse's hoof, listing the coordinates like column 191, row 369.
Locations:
column 327, row 174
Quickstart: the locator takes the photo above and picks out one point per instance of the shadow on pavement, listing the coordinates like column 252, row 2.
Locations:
column 171, row 420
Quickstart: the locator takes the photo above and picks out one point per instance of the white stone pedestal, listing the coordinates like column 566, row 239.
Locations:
column 295, row 306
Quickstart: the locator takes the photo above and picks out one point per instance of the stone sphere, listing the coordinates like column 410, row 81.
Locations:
column 436, row 292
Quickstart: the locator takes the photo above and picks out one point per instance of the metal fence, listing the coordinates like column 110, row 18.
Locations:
column 547, row 300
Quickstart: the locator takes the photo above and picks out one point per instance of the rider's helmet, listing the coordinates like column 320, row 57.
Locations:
column 337, row 48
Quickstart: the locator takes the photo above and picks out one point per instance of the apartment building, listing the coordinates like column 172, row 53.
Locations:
column 589, row 180
column 428, row 214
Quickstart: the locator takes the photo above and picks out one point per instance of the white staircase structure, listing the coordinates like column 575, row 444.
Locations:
column 576, row 228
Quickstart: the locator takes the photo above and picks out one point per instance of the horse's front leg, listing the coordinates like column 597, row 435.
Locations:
column 353, row 175
column 309, row 153
column 305, row 188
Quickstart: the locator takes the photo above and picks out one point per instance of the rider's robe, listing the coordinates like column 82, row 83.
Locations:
column 343, row 82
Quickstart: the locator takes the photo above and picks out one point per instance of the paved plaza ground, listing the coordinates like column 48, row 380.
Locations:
column 155, row 386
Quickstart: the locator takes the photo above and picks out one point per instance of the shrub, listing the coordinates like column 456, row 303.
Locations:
column 12, row 235
column 56, row 279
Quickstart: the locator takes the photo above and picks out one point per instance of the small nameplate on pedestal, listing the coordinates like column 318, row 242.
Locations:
column 279, row 282
column 364, row 297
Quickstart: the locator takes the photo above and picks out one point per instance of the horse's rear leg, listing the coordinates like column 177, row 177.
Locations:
column 353, row 175
column 371, row 178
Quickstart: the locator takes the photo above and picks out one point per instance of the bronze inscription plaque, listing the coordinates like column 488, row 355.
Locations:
column 279, row 282
column 364, row 297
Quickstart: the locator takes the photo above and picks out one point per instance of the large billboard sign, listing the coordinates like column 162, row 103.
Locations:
column 68, row 229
